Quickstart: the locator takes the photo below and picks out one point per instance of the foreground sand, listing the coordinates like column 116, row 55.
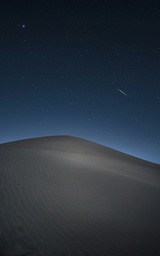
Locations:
column 67, row 196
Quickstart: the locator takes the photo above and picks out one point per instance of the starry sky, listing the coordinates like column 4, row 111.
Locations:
column 83, row 68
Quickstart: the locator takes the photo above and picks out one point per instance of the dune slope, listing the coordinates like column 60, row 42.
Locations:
column 68, row 196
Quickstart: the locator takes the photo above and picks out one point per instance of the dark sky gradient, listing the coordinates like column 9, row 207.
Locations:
column 63, row 64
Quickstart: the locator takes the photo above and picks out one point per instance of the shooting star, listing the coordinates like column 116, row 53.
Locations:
column 122, row 92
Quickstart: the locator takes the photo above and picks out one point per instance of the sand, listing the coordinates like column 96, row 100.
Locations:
column 68, row 196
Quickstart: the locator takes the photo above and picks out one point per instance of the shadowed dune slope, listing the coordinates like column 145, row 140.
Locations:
column 64, row 195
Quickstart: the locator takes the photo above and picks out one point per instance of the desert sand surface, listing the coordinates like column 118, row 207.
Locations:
column 63, row 195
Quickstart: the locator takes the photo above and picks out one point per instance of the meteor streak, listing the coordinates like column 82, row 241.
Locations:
column 122, row 92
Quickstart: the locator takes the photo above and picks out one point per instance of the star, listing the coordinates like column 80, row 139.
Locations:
column 23, row 26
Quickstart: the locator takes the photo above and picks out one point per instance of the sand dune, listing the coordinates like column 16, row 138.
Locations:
column 67, row 196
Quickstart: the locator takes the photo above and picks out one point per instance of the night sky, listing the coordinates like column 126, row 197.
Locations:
column 84, row 68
